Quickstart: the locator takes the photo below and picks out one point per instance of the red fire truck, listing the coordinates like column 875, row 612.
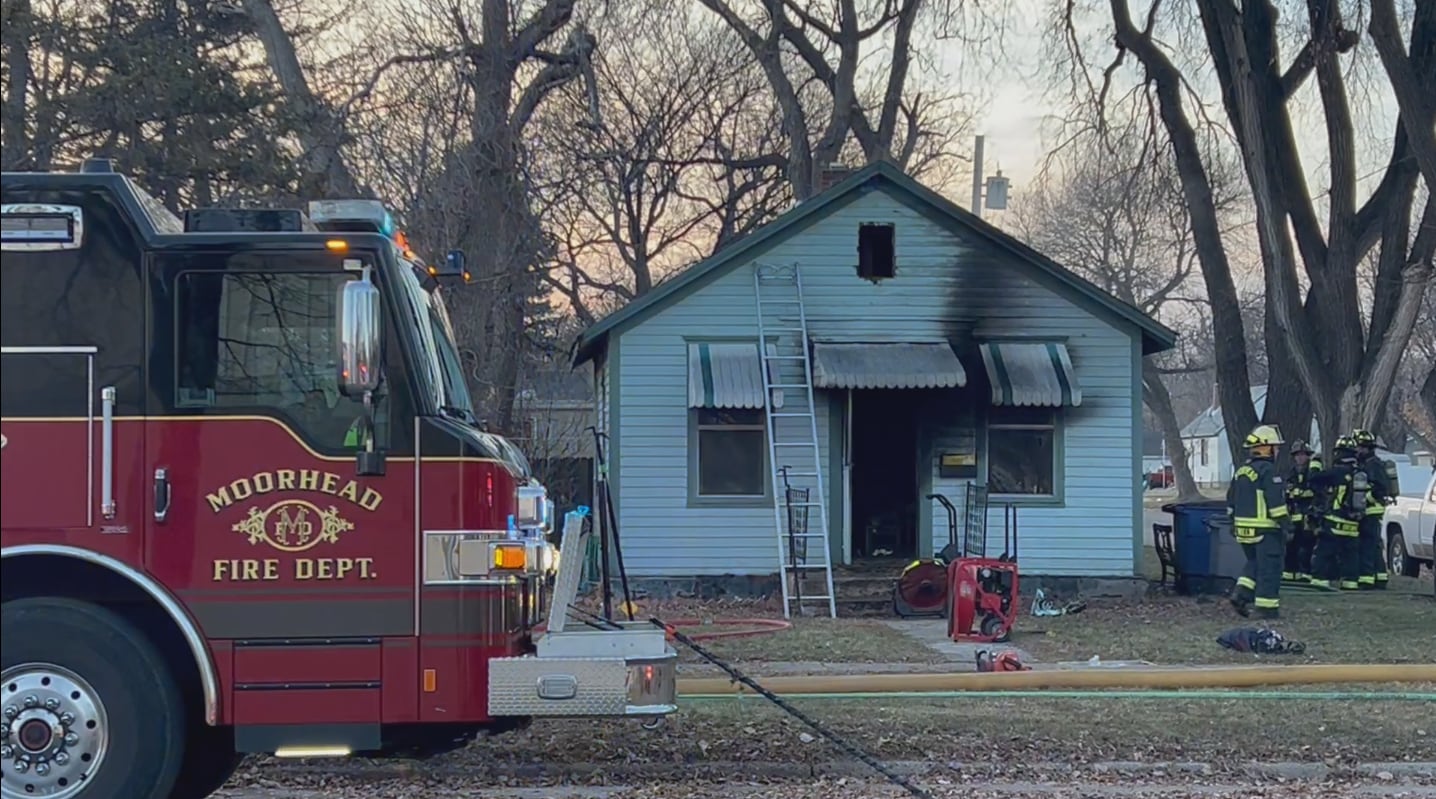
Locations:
column 248, row 506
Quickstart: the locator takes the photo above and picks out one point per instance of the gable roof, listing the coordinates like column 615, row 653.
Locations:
column 1209, row 422
column 1156, row 337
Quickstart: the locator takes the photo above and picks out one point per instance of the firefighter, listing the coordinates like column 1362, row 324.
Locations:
column 1256, row 500
column 1373, row 562
column 1300, row 501
column 1342, row 506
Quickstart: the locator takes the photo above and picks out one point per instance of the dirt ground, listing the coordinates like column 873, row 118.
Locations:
column 984, row 747
column 951, row 787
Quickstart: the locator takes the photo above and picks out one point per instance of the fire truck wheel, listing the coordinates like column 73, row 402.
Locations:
column 209, row 761
column 89, row 707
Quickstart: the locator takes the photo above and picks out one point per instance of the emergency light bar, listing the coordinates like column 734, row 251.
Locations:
column 352, row 216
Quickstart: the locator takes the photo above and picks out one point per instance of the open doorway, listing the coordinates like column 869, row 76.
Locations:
column 884, row 484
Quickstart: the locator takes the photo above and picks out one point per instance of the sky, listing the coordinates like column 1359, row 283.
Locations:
column 1018, row 112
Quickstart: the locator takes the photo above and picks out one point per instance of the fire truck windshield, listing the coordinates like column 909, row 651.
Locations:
column 442, row 368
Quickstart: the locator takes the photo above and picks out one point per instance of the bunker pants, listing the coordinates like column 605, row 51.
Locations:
column 1336, row 563
column 1372, row 558
column 1260, row 583
column 1299, row 550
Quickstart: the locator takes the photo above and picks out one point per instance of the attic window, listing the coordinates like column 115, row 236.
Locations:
column 876, row 259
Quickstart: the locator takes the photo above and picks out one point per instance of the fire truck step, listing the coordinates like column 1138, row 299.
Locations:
column 307, row 740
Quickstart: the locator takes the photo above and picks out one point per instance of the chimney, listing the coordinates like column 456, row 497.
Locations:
column 829, row 175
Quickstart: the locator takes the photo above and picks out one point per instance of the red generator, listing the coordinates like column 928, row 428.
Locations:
column 983, row 590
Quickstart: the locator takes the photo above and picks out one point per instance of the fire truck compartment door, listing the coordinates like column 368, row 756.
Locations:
column 57, row 458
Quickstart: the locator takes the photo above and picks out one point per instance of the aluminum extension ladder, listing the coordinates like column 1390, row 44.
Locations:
column 794, row 458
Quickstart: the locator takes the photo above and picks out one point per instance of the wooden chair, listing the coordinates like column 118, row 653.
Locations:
column 1166, row 552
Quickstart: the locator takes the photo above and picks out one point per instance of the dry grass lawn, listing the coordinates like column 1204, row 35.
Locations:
column 1394, row 626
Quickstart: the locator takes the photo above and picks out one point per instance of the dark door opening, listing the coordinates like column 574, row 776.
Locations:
column 884, row 473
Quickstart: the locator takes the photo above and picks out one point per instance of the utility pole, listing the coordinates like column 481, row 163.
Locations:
column 977, row 177
column 996, row 185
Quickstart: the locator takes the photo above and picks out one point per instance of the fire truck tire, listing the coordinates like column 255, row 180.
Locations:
column 209, row 762
column 91, row 710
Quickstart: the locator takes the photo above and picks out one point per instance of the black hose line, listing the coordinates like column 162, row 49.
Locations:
column 850, row 748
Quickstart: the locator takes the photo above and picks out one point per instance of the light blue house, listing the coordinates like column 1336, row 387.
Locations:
column 945, row 353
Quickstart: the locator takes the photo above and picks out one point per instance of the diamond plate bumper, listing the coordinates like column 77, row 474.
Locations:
column 627, row 672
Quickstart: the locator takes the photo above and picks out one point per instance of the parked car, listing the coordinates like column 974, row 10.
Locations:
column 1162, row 478
column 1410, row 528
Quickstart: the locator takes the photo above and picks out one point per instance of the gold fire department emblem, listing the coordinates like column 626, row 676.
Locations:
column 293, row 525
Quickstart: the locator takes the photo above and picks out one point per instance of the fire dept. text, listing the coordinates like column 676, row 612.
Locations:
column 240, row 570
column 293, row 480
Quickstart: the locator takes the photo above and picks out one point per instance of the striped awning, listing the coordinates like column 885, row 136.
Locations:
column 1031, row 374
column 726, row 375
column 886, row 365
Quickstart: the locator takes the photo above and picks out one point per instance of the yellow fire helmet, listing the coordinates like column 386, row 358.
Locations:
column 1265, row 435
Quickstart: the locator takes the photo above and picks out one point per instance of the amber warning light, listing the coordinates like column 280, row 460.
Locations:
column 510, row 557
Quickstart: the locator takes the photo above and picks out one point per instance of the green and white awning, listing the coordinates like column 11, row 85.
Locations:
column 930, row 364
column 727, row 375
column 1028, row 373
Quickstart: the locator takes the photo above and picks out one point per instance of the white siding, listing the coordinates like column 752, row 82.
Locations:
column 946, row 285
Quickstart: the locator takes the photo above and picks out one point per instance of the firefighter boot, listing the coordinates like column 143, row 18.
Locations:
column 1268, row 613
column 1240, row 603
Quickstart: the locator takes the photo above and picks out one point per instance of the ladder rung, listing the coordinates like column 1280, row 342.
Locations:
column 789, row 415
column 802, row 504
column 783, row 330
column 804, row 535
column 784, row 358
column 787, row 385
column 795, row 443
column 802, row 474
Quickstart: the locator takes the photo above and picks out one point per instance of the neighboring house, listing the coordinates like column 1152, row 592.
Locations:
column 960, row 355
column 1208, row 452
column 1154, row 460
column 555, row 410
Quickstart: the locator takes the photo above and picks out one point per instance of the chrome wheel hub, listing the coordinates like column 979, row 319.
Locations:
column 53, row 732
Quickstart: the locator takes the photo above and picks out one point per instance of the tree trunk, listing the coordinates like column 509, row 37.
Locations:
column 1288, row 405
column 15, row 148
column 1155, row 393
column 322, row 134
column 1233, row 385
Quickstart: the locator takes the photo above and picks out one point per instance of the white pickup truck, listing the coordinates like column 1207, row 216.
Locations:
column 1410, row 526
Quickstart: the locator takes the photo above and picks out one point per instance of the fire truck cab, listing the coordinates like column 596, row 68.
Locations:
column 247, row 505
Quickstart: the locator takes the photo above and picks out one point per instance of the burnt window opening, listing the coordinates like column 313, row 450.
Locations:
column 876, row 257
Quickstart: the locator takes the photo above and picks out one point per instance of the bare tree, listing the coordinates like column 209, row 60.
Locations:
column 658, row 179
column 321, row 126
column 1109, row 208
column 827, row 43
column 1319, row 350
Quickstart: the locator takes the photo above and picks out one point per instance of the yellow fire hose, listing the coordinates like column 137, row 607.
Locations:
column 1196, row 677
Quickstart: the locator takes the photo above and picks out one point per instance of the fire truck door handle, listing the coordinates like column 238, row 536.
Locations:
column 107, row 452
column 162, row 494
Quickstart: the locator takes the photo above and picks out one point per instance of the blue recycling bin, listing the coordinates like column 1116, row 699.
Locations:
column 1209, row 559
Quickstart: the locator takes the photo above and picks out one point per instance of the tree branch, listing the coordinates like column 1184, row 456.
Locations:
column 1418, row 109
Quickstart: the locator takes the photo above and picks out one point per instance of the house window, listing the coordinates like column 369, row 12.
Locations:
column 876, row 251
column 1022, row 452
column 730, row 453
column 1203, row 448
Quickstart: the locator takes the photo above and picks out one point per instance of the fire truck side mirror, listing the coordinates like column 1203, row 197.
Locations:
column 360, row 324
